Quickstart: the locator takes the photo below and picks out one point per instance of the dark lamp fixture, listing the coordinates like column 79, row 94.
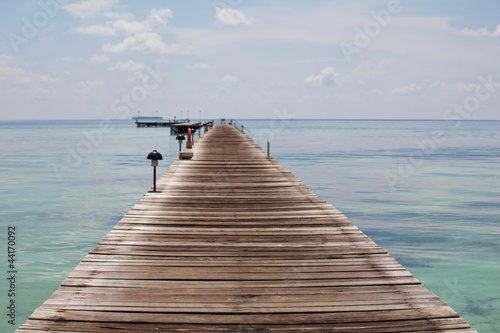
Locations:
column 180, row 138
column 154, row 156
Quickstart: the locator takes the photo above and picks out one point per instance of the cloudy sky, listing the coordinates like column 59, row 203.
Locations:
column 99, row 59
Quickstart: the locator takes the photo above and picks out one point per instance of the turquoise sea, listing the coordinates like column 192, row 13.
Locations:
column 426, row 191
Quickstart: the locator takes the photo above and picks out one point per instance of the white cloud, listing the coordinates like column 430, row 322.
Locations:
column 119, row 15
column 411, row 90
column 230, row 80
column 327, row 77
column 14, row 74
column 5, row 59
column 482, row 32
column 141, row 37
column 138, row 77
column 375, row 92
column 200, row 65
column 127, row 66
column 369, row 69
column 229, row 16
column 99, row 58
column 160, row 16
column 47, row 78
column 89, row 84
column 123, row 24
column 437, row 84
column 119, row 27
column 144, row 42
column 32, row 82
column 66, row 59
column 467, row 87
column 89, row 8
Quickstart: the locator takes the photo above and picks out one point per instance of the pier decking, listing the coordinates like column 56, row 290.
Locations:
column 160, row 123
column 234, row 242
column 183, row 127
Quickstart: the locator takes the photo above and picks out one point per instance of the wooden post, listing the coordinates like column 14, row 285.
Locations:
column 189, row 144
column 154, row 179
column 268, row 149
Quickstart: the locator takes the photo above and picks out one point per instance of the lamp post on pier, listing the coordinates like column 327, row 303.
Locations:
column 154, row 156
column 180, row 138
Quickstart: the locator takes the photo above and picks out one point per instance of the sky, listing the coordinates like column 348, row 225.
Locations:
column 250, row 59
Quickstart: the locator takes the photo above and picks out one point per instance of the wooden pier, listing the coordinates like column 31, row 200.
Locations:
column 183, row 127
column 234, row 242
column 154, row 123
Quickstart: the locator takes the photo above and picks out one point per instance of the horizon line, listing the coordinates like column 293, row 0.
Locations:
column 253, row 119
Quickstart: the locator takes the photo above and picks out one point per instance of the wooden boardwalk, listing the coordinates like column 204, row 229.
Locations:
column 233, row 242
column 183, row 127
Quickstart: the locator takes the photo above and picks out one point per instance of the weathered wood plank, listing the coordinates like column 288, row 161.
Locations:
column 220, row 284
column 428, row 325
column 130, row 316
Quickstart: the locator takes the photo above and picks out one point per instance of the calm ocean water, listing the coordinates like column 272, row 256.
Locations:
column 427, row 191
